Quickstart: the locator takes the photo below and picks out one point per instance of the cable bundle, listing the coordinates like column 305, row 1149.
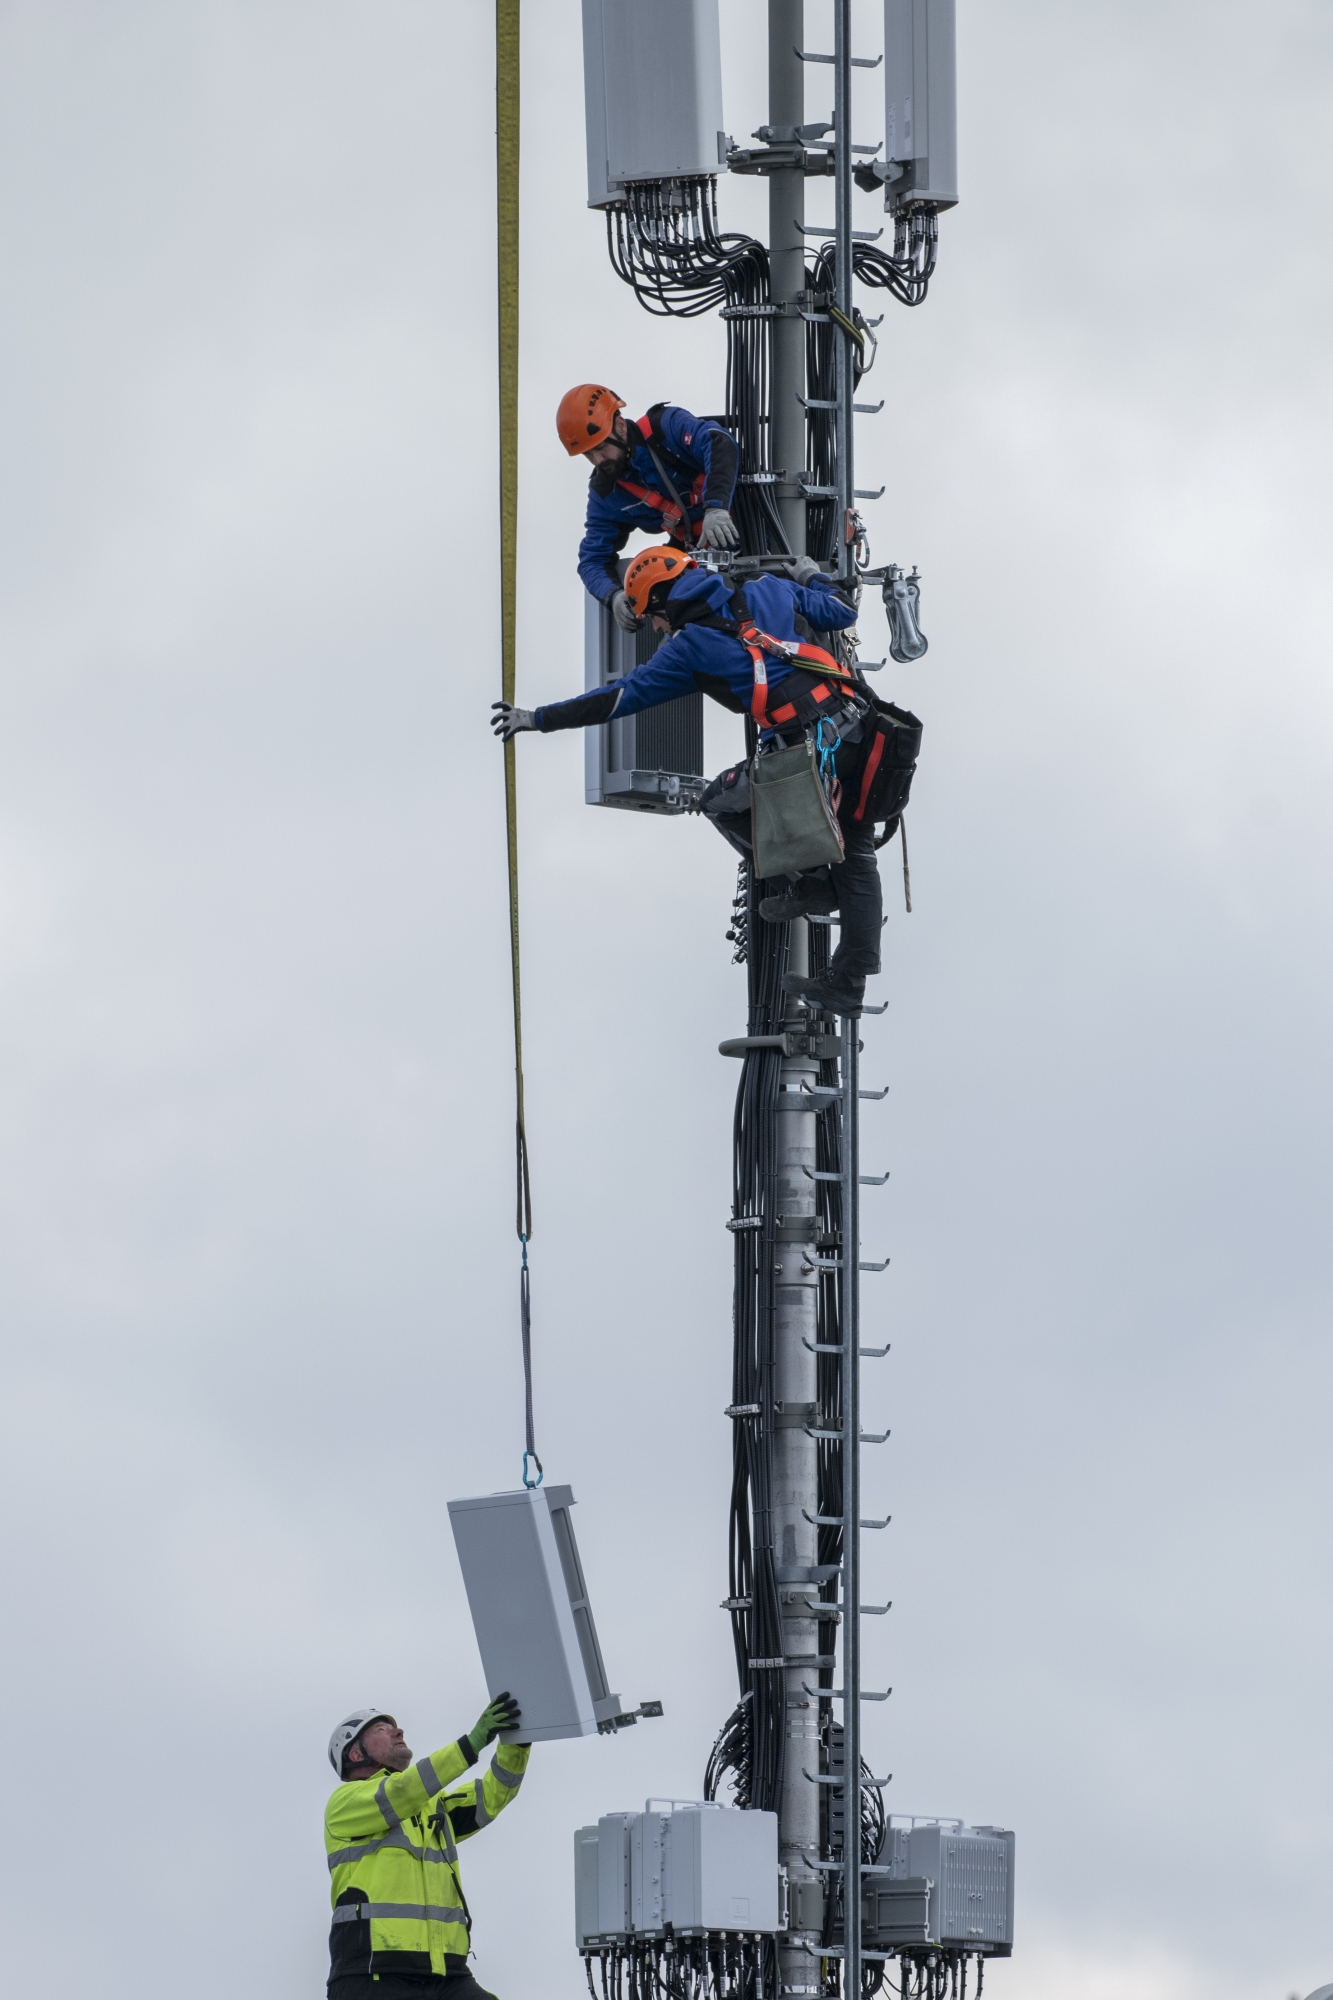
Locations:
column 718, row 1966
column 907, row 274
column 757, row 1738
column 663, row 241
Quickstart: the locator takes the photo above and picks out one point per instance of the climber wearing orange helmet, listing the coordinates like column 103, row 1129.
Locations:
column 668, row 472
column 739, row 645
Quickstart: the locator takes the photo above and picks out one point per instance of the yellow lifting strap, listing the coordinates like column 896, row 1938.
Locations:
column 506, row 219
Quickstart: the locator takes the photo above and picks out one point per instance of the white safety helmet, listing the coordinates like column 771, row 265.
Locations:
column 349, row 1729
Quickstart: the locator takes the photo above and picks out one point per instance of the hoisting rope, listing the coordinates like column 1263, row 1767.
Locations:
column 506, row 217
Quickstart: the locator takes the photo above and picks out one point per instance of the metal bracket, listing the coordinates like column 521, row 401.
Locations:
column 792, row 1042
column 858, row 236
column 861, row 409
column 873, row 1095
column 647, row 1709
column 875, row 1267
column 830, row 1092
column 835, row 1520
column 875, row 1437
column 857, row 62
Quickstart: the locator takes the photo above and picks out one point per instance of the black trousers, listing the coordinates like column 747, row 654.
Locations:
column 408, row 1986
column 855, row 879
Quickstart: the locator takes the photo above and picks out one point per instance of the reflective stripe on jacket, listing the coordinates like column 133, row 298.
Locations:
column 391, row 1840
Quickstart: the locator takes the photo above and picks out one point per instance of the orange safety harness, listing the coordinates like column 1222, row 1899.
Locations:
column 757, row 643
column 673, row 515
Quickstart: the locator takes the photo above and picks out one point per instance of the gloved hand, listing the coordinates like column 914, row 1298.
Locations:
column 717, row 530
column 508, row 722
column 624, row 613
column 503, row 1713
column 802, row 568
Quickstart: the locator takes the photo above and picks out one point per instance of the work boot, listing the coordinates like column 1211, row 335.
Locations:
column 812, row 896
column 828, row 992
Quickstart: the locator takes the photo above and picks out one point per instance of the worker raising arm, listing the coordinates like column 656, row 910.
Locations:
column 740, row 647
column 391, row 1830
column 669, row 471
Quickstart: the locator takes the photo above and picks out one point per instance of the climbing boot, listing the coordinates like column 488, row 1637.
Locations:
column 811, row 897
column 827, row 992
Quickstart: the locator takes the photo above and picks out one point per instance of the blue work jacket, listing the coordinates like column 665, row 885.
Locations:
column 700, row 657
column 700, row 456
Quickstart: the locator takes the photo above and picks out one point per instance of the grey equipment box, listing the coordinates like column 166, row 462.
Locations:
column 921, row 103
column 651, row 762
column 948, row 1884
column 652, row 89
column 530, row 1611
column 692, row 1866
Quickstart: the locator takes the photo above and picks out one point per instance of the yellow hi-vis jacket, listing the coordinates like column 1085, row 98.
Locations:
column 398, row 1905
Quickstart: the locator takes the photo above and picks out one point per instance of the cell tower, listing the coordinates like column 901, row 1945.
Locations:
column 789, row 1877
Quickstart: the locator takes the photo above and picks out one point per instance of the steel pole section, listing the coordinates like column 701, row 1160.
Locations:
column 851, row 1506
column 796, row 1496
column 842, row 281
column 786, row 250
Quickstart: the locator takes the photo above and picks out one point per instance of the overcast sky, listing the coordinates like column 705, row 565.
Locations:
column 255, row 1102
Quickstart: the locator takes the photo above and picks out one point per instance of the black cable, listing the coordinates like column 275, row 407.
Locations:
column 664, row 242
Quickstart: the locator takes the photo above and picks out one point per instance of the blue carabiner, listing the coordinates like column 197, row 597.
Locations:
column 826, row 753
column 532, row 1484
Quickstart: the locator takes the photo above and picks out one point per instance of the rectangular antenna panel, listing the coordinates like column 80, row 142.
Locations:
column 651, row 762
column 530, row 1611
column 652, row 85
column 679, row 1865
column 954, row 1882
column 921, row 103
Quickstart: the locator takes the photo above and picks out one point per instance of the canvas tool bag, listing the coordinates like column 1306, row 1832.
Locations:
column 793, row 826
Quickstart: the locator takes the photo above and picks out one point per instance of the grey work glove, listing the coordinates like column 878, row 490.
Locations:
column 502, row 1713
column 624, row 613
column 717, row 530
column 508, row 722
column 802, row 568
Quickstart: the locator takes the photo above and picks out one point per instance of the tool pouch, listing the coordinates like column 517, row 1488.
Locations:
column 880, row 790
column 792, row 823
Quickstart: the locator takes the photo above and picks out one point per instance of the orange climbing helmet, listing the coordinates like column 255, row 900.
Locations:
column 586, row 415
column 660, row 564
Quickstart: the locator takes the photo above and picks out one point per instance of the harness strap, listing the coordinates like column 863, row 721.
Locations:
column 674, row 511
column 673, row 515
column 757, row 643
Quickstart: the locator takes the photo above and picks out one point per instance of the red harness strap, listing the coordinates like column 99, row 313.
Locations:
column 868, row 775
column 648, row 497
column 757, row 643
